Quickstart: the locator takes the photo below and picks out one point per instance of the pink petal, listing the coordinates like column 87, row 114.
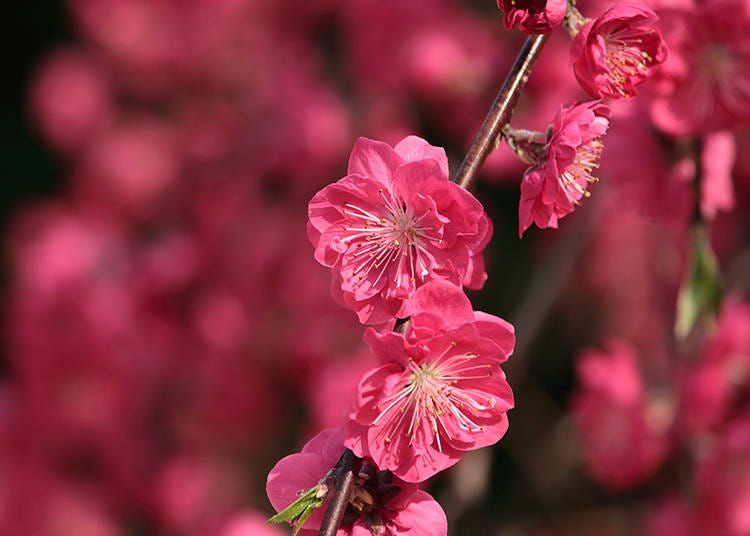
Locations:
column 413, row 148
column 372, row 158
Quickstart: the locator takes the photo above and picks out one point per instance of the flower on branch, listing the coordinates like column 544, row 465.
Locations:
column 393, row 223
column 439, row 390
column 552, row 188
column 533, row 16
column 618, row 51
column 380, row 504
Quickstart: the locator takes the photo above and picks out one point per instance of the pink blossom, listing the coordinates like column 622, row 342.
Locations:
column 380, row 504
column 439, row 390
column 131, row 166
column 394, row 223
column 332, row 386
column 618, row 51
column 533, row 16
column 623, row 431
column 552, row 188
column 704, row 86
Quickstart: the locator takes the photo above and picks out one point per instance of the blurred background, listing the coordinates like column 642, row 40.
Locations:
column 167, row 335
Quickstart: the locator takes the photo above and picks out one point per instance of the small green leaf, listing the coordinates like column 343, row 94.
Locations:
column 302, row 518
column 701, row 294
column 297, row 513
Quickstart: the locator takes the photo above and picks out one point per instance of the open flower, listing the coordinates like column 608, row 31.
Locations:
column 394, row 223
column 380, row 503
column 439, row 390
column 533, row 16
column 552, row 188
column 618, row 51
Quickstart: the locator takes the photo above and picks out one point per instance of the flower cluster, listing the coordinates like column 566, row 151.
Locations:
column 611, row 55
column 167, row 332
column 631, row 425
column 402, row 240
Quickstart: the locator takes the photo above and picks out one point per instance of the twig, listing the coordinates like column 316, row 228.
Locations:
column 500, row 112
column 347, row 467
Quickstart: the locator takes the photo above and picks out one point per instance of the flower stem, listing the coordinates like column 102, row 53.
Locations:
column 500, row 112
column 348, row 465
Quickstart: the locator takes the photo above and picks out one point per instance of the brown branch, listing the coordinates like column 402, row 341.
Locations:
column 348, row 465
column 500, row 112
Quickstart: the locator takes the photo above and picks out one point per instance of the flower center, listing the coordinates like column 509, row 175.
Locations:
column 390, row 237
column 625, row 59
column 577, row 176
column 433, row 393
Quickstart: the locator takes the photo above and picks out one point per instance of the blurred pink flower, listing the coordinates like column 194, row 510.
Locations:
column 439, row 391
column 533, row 16
column 446, row 61
column 70, row 99
column 194, row 494
column 614, row 53
column 704, row 86
column 129, row 167
column 624, row 433
column 394, row 223
column 556, row 184
column 380, row 504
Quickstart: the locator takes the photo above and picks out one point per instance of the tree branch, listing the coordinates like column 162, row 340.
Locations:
column 348, row 465
column 500, row 112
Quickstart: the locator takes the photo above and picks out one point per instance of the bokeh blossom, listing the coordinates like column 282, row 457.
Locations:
column 392, row 224
column 704, row 86
column 616, row 52
column 380, row 503
column 559, row 181
column 439, row 390
column 623, row 431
